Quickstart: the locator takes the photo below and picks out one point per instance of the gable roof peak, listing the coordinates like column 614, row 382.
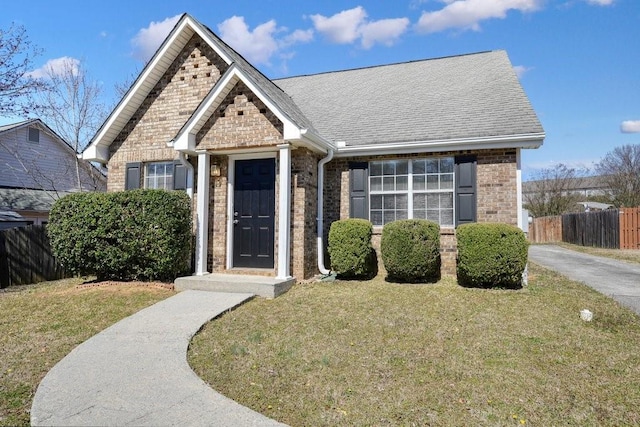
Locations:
column 178, row 38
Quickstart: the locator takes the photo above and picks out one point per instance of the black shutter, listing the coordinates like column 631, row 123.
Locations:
column 132, row 176
column 358, row 190
column 466, row 200
column 179, row 176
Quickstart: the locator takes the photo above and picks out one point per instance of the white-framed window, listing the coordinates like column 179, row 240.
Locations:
column 412, row 188
column 159, row 175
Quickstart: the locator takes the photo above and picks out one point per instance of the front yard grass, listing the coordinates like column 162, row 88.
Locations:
column 376, row 353
column 40, row 324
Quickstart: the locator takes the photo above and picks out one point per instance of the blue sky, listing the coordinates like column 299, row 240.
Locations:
column 578, row 60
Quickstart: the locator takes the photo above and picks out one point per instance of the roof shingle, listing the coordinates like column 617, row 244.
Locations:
column 460, row 97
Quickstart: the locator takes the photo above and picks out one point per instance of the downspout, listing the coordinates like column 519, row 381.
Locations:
column 183, row 160
column 320, row 217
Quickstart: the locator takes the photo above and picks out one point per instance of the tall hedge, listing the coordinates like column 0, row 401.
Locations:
column 350, row 250
column 130, row 235
column 411, row 250
column 491, row 255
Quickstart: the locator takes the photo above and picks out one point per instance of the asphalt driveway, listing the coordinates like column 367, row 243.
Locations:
column 617, row 279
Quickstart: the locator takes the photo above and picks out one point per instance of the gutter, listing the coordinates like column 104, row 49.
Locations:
column 320, row 218
column 512, row 141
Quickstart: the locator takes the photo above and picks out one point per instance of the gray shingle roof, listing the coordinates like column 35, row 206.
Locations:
column 275, row 93
column 19, row 199
column 468, row 96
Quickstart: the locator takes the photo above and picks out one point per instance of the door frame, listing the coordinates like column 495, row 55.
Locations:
column 231, row 176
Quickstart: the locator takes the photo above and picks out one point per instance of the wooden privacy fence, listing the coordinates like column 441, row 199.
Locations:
column 615, row 228
column 546, row 229
column 25, row 257
column 599, row 229
column 629, row 228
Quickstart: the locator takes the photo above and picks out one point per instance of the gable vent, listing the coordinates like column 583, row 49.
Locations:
column 33, row 135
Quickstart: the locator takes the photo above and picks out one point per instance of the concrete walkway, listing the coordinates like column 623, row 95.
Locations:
column 617, row 279
column 136, row 373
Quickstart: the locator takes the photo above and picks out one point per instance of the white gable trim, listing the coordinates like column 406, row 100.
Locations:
column 186, row 138
column 153, row 72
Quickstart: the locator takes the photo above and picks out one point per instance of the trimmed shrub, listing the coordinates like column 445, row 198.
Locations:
column 350, row 250
column 130, row 235
column 411, row 250
column 491, row 255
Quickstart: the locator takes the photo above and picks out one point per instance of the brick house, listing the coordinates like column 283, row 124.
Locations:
column 437, row 139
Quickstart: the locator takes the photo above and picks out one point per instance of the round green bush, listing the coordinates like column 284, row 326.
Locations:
column 411, row 250
column 350, row 250
column 491, row 255
column 129, row 235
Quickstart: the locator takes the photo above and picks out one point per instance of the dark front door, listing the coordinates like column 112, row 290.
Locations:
column 254, row 202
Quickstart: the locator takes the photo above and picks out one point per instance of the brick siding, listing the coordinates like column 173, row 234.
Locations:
column 241, row 121
column 165, row 110
column 496, row 194
column 304, row 202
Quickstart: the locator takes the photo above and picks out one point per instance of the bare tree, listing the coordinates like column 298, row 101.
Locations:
column 16, row 60
column 121, row 88
column 620, row 169
column 553, row 191
column 72, row 106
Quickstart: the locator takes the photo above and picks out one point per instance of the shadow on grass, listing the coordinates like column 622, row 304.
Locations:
column 513, row 286
column 425, row 280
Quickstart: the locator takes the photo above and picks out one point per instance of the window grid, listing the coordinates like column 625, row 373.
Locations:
column 417, row 188
column 159, row 176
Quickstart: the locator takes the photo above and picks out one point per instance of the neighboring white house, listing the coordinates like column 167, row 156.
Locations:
column 37, row 167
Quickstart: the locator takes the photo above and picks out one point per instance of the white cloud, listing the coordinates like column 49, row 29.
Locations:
column 149, row 39
column 467, row 14
column 352, row 25
column 384, row 31
column 521, row 70
column 630, row 126
column 601, row 2
column 298, row 36
column 261, row 44
column 257, row 45
column 55, row 67
column 341, row 28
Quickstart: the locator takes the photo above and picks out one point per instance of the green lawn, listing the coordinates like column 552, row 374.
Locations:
column 40, row 324
column 375, row 353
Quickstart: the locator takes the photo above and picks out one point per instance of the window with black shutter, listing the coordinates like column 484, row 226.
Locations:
column 132, row 176
column 358, row 190
column 466, row 198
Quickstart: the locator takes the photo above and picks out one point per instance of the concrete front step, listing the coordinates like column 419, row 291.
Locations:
column 267, row 287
